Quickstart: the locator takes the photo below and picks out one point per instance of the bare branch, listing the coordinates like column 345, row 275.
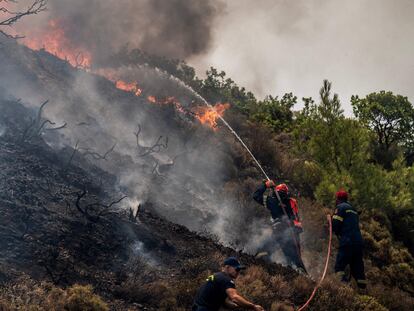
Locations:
column 36, row 126
column 96, row 155
column 155, row 148
column 73, row 154
column 102, row 209
column 11, row 17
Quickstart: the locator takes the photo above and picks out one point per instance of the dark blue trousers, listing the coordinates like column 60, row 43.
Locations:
column 351, row 255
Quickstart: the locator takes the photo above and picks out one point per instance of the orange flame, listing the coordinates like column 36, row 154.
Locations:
column 209, row 115
column 129, row 87
column 56, row 42
column 152, row 99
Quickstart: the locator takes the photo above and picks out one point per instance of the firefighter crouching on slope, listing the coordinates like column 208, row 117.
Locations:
column 219, row 290
column 285, row 220
column 345, row 224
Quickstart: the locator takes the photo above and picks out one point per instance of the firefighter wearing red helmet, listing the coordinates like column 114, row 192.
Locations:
column 345, row 224
column 285, row 220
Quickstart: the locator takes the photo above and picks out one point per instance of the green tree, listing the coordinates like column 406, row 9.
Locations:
column 391, row 117
column 336, row 144
column 217, row 88
column 274, row 112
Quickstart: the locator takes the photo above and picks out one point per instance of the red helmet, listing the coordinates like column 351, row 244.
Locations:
column 341, row 195
column 282, row 188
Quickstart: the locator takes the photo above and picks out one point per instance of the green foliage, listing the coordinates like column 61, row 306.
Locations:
column 326, row 136
column 217, row 88
column 275, row 113
column 391, row 117
column 368, row 303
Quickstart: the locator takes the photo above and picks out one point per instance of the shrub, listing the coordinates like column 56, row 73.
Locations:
column 368, row 303
column 26, row 294
column 81, row 298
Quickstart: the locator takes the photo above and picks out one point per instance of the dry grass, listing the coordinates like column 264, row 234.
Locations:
column 26, row 294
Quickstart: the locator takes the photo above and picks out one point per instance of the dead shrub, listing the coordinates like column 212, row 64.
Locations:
column 392, row 298
column 281, row 306
column 254, row 283
column 80, row 298
column 368, row 303
column 26, row 294
column 280, row 287
column 333, row 295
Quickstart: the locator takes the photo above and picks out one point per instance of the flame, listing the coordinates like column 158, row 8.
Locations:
column 209, row 115
column 152, row 99
column 129, row 87
column 56, row 42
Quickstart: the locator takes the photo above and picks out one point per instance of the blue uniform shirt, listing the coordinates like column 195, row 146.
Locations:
column 345, row 224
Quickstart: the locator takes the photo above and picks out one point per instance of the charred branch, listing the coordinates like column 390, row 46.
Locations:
column 133, row 213
column 11, row 17
column 75, row 149
column 94, row 211
column 37, row 125
column 160, row 143
column 95, row 155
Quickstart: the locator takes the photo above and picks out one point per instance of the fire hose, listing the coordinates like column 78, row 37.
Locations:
column 280, row 201
column 328, row 255
column 295, row 240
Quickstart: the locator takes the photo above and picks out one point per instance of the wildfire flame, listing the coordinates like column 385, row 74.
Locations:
column 129, row 87
column 152, row 99
column 56, row 42
column 209, row 115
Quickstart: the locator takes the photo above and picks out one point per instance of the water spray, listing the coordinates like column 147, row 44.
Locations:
column 225, row 123
column 303, row 307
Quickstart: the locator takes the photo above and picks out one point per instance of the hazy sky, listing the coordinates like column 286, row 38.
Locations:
column 278, row 46
column 268, row 46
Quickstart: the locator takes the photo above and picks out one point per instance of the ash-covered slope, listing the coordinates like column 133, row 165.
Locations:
column 67, row 164
column 58, row 224
column 158, row 154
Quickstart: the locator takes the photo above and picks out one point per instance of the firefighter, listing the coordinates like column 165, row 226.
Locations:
column 220, row 290
column 345, row 224
column 285, row 220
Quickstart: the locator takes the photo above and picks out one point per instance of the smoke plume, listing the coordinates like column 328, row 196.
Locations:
column 174, row 28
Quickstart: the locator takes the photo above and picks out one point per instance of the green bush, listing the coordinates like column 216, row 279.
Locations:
column 368, row 303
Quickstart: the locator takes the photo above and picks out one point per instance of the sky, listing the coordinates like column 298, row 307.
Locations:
column 274, row 47
column 269, row 46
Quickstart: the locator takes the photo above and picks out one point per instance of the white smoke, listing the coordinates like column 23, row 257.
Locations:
column 2, row 129
column 98, row 116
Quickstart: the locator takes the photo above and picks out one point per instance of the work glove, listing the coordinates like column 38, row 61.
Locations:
column 269, row 183
column 298, row 230
column 276, row 224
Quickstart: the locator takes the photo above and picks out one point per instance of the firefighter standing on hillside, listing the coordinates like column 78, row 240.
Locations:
column 285, row 220
column 345, row 224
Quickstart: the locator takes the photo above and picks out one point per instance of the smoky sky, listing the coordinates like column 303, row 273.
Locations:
column 268, row 46
column 172, row 28
column 278, row 46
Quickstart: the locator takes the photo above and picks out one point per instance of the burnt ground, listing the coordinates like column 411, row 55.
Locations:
column 61, row 223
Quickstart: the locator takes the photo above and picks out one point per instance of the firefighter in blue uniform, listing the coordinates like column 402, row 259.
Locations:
column 285, row 220
column 345, row 224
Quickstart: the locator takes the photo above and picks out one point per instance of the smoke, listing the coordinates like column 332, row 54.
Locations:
column 2, row 130
column 278, row 46
column 183, row 182
column 173, row 28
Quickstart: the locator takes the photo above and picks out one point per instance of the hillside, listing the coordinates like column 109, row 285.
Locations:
column 93, row 193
